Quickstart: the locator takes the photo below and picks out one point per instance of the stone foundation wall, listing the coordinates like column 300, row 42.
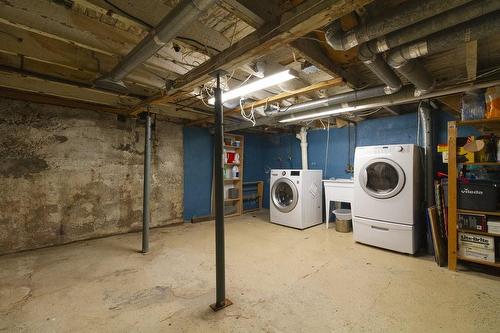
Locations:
column 69, row 174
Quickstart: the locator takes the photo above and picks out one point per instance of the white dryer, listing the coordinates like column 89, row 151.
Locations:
column 296, row 197
column 387, row 197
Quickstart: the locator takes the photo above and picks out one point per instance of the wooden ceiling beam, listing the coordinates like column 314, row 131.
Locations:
column 59, row 101
column 58, row 22
column 308, row 46
column 297, row 22
column 43, row 86
column 53, row 51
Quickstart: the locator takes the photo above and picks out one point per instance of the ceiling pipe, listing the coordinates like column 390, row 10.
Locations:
column 412, row 12
column 404, row 58
column 333, row 100
column 405, row 96
column 170, row 27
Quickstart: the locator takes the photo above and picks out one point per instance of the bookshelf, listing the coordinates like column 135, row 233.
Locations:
column 485, row 126
column 233, row 157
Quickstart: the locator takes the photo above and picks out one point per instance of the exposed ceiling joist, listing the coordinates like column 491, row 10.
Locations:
column 58, row 22
column 48, row 87
column 59, row 101
column 54, row 51
column 307, row 46
column 299, row 21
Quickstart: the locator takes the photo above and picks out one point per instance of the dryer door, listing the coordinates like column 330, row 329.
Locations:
column 382, row 178
column 284, row 195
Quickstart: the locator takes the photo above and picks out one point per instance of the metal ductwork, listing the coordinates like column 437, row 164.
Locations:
column 424, row 113
column 432, row 25
column 380, row 68
column 170, row 26
column 414, row 71
column 404, row 58
column 413, row 12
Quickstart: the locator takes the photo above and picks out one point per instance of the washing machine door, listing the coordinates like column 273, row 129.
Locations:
column 284, row 195
column 382, row 178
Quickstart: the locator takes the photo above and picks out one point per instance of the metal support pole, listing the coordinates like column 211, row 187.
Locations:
column 220, row 301
column 147, row 184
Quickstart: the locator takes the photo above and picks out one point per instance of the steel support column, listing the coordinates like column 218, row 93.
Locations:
column 220, row 301
column 147, row 184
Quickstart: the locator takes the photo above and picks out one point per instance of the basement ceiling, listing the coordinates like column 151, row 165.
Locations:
column 57, row 48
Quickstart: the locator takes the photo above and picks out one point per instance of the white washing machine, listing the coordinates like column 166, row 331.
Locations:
column 296, row 197
column 387, row 197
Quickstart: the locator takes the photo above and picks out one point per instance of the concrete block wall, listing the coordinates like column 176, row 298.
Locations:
column 68, row 174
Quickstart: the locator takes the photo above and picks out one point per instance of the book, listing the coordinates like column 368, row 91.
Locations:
column 472, row 222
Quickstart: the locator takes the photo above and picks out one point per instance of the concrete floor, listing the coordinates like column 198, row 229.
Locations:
column 280, row 280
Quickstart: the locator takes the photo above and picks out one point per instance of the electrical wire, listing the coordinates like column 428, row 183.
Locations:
column 250, row 117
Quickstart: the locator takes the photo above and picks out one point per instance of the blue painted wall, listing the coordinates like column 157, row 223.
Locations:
column 198, row 161
column 264, row 152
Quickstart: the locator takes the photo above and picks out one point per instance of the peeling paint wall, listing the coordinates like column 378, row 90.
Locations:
column 68, row 174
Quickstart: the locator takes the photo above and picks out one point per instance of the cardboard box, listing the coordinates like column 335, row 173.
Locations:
column 462, row 154
column 476, row 253
column 476, row 241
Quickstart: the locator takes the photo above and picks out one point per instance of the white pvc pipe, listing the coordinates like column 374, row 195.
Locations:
column 302, row 136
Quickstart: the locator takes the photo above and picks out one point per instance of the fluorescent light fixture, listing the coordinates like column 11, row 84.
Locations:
column 328, row 112
column 254, row 86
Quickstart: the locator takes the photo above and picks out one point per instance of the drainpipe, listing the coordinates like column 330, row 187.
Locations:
column 412, row 12
column 404, row 58
column 172, row 24
column 147, row 185
column 424, row 112
column 302, row 136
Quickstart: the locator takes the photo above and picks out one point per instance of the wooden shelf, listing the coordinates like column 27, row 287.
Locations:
column 232, row 164
column 232, row 180
column 233, row 147
column 481, row 163
column 478, row 122
column 229, row 200
column 484, row 125
column 479, row 232
column 482, row 262
column 467, row 211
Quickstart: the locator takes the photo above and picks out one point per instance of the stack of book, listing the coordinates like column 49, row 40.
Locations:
column 476, row 247
column 494, row 226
